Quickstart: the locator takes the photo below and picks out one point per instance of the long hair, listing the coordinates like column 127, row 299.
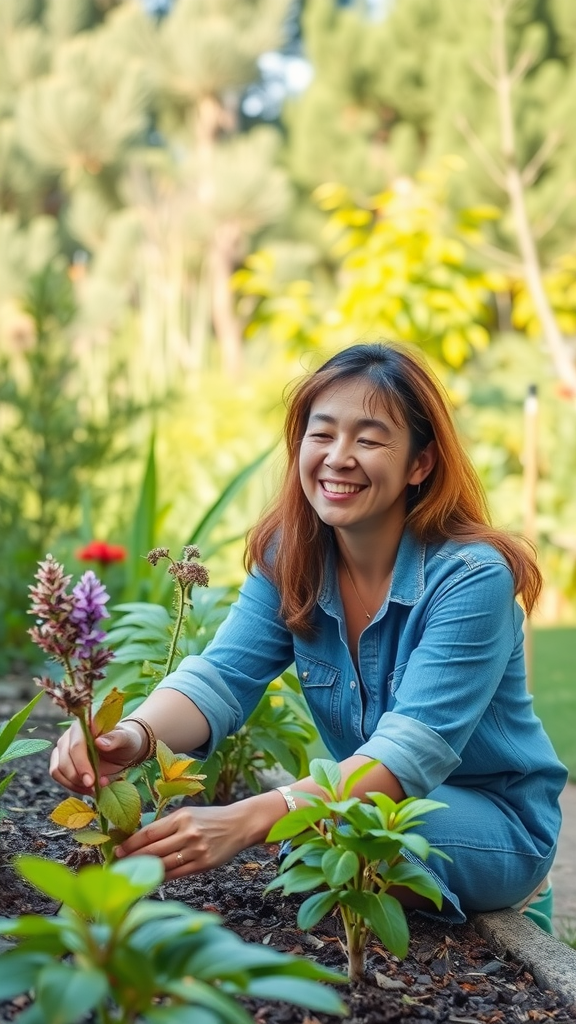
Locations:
column 451, row 503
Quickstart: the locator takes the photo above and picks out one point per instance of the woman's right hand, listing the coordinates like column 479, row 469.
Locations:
column 70, row 764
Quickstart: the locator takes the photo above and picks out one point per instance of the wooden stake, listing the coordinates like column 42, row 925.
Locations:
column 530, row 487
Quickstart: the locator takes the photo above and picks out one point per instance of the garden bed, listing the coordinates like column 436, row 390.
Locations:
column 450, row 974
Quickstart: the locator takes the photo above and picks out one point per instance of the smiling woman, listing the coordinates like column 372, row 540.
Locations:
column 377, row 572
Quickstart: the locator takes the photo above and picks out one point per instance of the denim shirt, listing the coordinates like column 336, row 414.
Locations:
column 440, row 690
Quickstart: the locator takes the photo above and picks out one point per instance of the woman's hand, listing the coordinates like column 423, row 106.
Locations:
column 191, row 839
column 70, row 764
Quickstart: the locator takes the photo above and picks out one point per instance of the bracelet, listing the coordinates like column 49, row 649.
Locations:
column 288, row 796
column 151, row 748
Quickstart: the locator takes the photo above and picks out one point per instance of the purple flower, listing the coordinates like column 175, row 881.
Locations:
column 90, row 597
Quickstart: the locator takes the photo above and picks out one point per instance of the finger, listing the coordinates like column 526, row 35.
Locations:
column 150, row 838
column 179, row 865
column 58, row 776
column 74, row 760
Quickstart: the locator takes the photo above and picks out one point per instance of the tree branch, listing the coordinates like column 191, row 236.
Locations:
column 521, row 67
column 478, row 147
column 535, row 165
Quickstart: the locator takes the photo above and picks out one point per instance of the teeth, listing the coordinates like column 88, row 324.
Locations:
column 340, row 488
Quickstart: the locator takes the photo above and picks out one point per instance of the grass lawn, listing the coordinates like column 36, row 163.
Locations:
column 555, row 689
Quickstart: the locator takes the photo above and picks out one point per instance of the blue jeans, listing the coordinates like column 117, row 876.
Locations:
column 495, row 861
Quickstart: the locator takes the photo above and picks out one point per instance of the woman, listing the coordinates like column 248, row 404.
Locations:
column 376, row 571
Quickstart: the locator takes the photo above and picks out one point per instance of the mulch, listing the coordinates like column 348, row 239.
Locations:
column 450, row 974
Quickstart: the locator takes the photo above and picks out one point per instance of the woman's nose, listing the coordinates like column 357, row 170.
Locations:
column 339, row 455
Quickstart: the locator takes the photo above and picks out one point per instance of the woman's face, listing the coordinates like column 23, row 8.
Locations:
column 355, row 460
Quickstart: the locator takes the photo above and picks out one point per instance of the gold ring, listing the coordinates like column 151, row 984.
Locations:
column 179, row 857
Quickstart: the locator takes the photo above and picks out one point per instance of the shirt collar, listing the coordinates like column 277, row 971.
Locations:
column 407, row 584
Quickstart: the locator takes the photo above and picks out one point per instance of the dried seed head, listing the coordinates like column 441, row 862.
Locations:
column 156, row 554
column 190, row 573
column 190, row 551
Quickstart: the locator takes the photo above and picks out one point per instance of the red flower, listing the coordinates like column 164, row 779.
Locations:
column 101, row 552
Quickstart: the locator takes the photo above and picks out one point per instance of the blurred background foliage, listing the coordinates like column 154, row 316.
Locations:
column 200, row 199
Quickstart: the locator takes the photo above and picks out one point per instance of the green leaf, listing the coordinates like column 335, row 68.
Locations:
column 415, row 878
column 357, row 776
column 388, row 920
column 90, row 837
column 195, row 993
column 180, row 787
column 4, row 783
column 52, row 879
column 339, row 866
column 144, row 873
column 315, row 908
column 294, row 822
column 23, row 748
column 416, row 844
column 19, row 971
column 414, row 809
column 120, row 803
column 384, row 804
column 14, row 724
column 180, row 1015
column 65, row 994
column 299, row 991
column 214, row 514
column 326, row 774
column 300, row 878
column 143, row 526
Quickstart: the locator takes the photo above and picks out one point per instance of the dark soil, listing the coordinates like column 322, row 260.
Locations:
column 449, row 974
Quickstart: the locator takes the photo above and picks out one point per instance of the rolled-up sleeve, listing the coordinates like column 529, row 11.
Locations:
column 439, row 697
column 251, row 647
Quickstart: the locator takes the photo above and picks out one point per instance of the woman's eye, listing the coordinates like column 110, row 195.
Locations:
column 367, row 442
column 320, row 437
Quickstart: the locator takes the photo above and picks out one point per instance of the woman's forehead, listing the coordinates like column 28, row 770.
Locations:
column 358, row 395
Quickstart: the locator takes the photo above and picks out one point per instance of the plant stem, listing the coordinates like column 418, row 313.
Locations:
column 355, row 943
column 177, row 629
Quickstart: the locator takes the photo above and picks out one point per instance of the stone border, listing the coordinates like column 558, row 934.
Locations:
column 551, row 962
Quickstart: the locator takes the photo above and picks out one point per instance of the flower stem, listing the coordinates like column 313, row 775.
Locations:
column 181, row 597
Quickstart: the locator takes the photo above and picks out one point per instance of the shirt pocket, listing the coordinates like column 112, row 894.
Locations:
column 322, row 688
column 395, row 678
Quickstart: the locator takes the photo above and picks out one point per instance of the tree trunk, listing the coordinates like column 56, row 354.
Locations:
column 557, row 345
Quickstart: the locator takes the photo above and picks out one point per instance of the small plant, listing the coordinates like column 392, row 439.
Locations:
column 11, row 748
column 353, row 851
column 68, row 630
column 155, row 962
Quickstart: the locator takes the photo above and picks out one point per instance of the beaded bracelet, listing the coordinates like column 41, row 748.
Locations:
column 288, row 796
column 151, row 749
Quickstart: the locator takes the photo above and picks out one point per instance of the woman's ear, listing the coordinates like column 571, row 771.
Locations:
column 424, row 464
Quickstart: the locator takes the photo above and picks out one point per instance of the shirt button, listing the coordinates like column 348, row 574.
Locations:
column 305, row 675
column 353, row 684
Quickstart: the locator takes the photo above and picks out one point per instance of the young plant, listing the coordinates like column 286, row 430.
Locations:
column 155, row 962
column 353, row 852
column 11, row 748
column 68, row 630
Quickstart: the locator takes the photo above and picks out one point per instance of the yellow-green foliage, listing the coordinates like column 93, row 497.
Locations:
column 403, row 272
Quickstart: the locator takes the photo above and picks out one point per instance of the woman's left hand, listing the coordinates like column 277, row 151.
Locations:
column 189, row 840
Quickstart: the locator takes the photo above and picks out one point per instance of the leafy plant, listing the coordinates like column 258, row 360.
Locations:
column 279, row 731
column 149, row 961
column 11, row 748
column 353, row 852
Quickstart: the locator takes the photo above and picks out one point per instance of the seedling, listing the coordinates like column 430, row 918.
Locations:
column 353, row 852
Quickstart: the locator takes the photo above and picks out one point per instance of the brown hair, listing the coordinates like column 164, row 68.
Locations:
column 449, row 504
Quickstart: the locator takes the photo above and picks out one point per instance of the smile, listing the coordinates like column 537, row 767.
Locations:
column 333, row 488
